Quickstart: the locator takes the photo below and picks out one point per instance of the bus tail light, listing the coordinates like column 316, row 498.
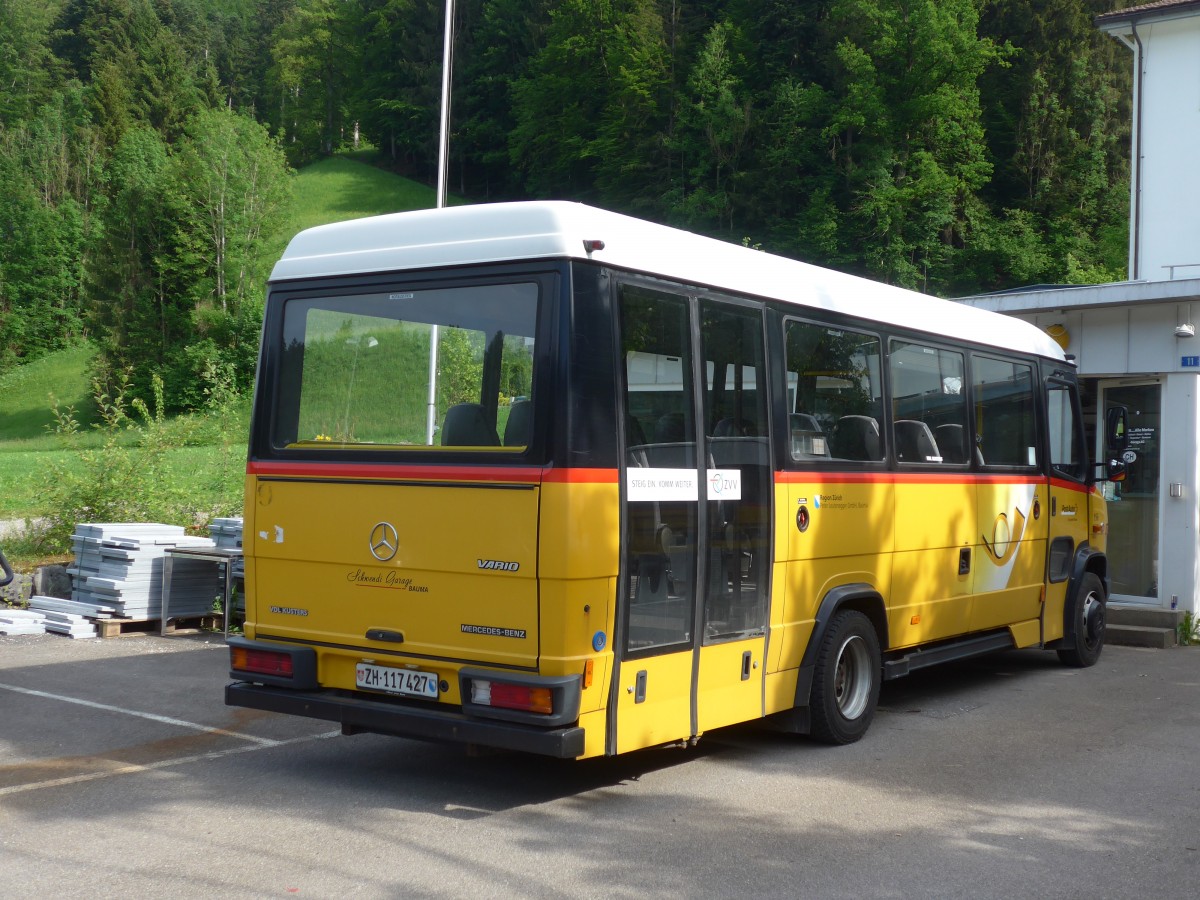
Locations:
column 541, row 700
column 261, row 662
column 280, row 665
column 522, row 697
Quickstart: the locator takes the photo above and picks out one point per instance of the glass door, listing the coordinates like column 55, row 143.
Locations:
column 696, row 517
column 1133, row 504
column 662, row 520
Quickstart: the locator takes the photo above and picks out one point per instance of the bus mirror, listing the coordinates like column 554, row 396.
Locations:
column 1116, row 436
column 1114, row 470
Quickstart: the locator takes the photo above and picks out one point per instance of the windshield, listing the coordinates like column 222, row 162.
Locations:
column 442, row 368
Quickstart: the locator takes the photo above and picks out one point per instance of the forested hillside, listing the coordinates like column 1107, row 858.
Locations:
column 949, row 145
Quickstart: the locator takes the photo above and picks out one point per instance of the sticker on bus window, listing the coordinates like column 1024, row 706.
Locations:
column 668, row 485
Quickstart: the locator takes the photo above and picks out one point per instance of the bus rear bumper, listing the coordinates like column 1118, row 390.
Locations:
column 361, row 714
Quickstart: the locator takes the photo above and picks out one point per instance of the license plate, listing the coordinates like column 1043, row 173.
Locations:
column 409, row 682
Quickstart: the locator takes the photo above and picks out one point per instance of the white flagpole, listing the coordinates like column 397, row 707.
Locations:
column 443, row 154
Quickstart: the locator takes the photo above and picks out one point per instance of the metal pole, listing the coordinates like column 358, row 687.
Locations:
column 443, row 160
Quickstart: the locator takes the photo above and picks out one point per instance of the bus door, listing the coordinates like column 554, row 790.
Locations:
column 1014, row 507
column 695, row 517
column 1069, row 513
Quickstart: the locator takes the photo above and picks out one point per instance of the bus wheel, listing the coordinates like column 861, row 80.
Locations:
column 846, row 680
column 1084, row 648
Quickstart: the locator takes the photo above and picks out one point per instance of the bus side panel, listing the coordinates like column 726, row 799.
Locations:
column 1080, row 516
column 579, row 552
column 654, row 701
column 844, row 520
column 1010, row 556
column 249, row 585
column 935, row 524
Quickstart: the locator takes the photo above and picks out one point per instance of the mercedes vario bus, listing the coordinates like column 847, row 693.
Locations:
column 542, row 477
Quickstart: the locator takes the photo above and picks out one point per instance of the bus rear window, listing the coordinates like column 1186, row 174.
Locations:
column 423, row 369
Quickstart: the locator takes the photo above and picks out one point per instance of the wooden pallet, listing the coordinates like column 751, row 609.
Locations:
column 107, row 628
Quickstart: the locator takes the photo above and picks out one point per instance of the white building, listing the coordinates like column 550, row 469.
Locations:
column 1135, row 341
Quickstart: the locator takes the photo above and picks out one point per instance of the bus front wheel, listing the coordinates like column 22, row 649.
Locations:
column 846, row 680
column 1083, row 648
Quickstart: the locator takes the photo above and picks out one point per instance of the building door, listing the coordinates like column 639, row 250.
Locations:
column 1133, row 504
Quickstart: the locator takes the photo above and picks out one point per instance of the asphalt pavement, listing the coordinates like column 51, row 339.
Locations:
column 122, row 774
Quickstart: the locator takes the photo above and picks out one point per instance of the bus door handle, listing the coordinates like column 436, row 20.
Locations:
column 964, row 561
column 385, row 634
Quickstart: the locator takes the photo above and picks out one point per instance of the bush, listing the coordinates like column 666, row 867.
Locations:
column 129, row 477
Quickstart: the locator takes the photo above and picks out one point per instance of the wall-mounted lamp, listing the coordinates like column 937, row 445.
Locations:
column 1061, row 336
column 1185, row 329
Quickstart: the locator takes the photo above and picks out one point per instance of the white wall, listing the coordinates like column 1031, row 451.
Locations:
column 1178, row 518
column 1119, row 340
column 1170, row 148
column 1132, row 342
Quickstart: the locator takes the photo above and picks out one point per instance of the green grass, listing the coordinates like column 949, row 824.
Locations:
column 26, row 392
column 341, row 188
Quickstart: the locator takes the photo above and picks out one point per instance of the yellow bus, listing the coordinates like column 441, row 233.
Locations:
column 542, row 477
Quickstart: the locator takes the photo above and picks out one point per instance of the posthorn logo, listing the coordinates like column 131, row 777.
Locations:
column 384, row 541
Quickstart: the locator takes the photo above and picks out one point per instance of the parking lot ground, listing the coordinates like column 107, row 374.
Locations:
column 72, row 711
column 122, row 774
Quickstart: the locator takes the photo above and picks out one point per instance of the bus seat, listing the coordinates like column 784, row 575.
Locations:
column 804, row 422
column 518, row 427
column 915, row 443
column 467, row 426
column 952, row 441
column 733, row 427
column 856, row 437
column 669, row 429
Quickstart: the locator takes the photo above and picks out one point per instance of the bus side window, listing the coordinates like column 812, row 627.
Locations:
column 835, row 397
column 927, row 399
column 1004, row 413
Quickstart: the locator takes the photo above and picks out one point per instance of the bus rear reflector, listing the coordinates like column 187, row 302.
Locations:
column 522, row 697
column 261, row 662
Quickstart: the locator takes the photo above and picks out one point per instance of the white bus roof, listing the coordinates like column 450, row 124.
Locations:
column 498, row 232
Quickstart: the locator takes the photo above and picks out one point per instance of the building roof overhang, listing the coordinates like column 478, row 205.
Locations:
column 1120, row 21
column 1092, row 296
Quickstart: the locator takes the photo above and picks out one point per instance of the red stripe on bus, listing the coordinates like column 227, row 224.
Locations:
column 488, row 474
column 580, row 476
column 507, row 474
column 922, row 478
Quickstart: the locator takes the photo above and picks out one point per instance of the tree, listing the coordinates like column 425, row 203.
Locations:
column 905, row 132
column 173, row 288
column 139, row 317
column 311, row 51
column 589, row 114
column 715, row 122
column 1057, row 123
column 230, row 180
column 28, row 69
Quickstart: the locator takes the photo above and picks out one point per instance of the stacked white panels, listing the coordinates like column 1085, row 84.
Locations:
column 120, row 571
column 88, row 538
column 73, row 607
column 227, row 533
column 22, row 621
column 70, row 625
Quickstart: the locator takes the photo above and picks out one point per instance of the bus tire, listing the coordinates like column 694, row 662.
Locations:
column 1083, row 648
column 846, row 680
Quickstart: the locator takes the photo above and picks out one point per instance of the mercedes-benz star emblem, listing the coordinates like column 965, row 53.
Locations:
column 384, row 541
